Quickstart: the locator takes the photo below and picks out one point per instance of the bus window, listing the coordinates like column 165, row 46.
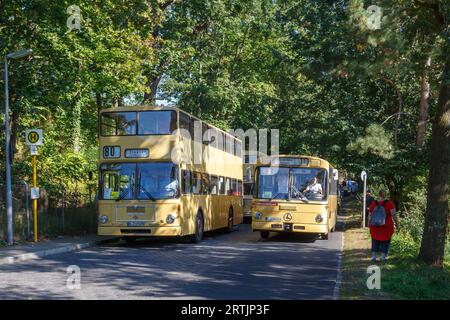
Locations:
column 273, row 183
column 118, row 181
column 198, row 130
column 186, row 125
column 220, row 140
column 214, row 184
column 222, row 185
column 206, row 131
column 302, row 178
column 239, row 188
column 157, row 122
column 213, row 138
column 196, row 183
column 228, row 189
column 205, row 184
column 238, row 146
column 229, row 144
column 157, row 180
column 232, row 145
column 118, row 123
column 186, row 182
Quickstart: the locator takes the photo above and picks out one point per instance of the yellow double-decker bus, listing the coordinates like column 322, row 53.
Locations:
column 164, row 172
column 295, row 194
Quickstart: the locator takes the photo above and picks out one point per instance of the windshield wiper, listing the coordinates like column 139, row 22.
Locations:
column 296, row 191
column 275, row 195
column 148, row 194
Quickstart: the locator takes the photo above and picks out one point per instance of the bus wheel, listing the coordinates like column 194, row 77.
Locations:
column 199, row 228
column 324, row 236
column 265, row 234
column 230, row 220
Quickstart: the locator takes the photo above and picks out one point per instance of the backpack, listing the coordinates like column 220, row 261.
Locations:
column 378, row 217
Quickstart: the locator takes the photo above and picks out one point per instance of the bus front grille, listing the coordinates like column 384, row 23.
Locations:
column 143, row 231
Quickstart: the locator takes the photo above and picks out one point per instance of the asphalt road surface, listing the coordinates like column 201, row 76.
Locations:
column 239, row 265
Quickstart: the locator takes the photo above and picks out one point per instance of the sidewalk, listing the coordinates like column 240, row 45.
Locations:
column 22, row 252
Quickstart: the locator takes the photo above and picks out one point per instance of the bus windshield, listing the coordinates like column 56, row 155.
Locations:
column 138, row 123
column 292, row 183
column 143, row 181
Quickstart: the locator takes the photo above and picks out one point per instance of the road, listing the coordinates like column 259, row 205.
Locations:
column 238, row 265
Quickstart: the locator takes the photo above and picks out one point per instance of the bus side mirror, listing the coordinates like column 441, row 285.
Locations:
column 335, row 174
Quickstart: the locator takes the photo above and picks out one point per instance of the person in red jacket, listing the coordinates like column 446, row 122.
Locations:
column 381, row 235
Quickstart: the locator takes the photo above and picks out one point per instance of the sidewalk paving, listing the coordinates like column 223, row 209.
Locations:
column 22, row 252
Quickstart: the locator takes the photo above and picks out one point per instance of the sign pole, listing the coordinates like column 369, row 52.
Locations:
column 364, row 178
column 35, row 201
column 33, row 138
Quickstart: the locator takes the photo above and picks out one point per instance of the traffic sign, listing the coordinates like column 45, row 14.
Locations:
column 33, row 137
column 363, row 175
column 34, row 193
column 34, row 150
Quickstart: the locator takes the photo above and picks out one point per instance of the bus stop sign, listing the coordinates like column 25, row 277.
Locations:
column 33, row 137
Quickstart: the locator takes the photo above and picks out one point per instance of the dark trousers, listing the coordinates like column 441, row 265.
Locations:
column 380, row 246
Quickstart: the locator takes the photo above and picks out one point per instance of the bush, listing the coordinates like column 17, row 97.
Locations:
column 403, row 245
column 412, row 211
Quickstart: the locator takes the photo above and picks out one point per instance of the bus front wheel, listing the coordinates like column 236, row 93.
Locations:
column 265, row 234
column 199, row 228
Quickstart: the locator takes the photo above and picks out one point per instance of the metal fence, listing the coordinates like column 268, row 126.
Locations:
column 59, row 212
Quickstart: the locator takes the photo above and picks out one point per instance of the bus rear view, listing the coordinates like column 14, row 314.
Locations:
column 295, row 194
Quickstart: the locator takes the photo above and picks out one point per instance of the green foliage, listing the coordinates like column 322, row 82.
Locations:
column 376, row 143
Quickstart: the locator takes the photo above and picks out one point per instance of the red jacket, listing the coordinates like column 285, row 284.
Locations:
column 385, row 232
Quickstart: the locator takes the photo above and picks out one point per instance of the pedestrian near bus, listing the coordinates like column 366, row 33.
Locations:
column 380, row 233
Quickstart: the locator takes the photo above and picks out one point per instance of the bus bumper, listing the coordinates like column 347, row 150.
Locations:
column 139, row 231
column 296, row 227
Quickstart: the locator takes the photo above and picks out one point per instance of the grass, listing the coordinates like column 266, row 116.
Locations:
column 403, row 277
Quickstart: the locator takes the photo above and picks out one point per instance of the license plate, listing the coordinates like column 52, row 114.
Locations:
column 135, row 223
column 288, row 227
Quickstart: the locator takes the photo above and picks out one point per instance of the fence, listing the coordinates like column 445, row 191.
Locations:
column 59, row 212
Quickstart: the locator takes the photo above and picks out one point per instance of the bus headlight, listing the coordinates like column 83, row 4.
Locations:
column 170, row 219
column 258, row 215
column 319, row 218
column 103, row 219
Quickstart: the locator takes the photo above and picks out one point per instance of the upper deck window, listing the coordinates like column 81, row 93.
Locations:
column 138, row 123
column 157, row 122
column 118, row 123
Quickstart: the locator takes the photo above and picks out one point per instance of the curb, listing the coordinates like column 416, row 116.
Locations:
column 48, row 252
column 338, row 283
column 337, row 286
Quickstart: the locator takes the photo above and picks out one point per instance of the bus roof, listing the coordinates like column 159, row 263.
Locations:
column 322, row 161
column 155, row 108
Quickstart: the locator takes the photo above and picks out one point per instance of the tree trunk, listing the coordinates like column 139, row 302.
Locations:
column 436, row 215
column 150, row 97
column 423, row 107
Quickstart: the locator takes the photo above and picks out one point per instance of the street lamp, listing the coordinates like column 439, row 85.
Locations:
column 9, row 214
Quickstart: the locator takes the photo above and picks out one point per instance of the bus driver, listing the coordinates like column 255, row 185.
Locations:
column 314, row 187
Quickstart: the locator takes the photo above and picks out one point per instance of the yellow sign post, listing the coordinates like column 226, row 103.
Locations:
column 35, row 228
column 33, row 138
